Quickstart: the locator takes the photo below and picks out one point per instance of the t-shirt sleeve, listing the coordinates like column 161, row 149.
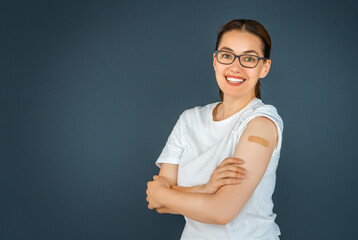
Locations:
column 270, row 112
column 173, row 148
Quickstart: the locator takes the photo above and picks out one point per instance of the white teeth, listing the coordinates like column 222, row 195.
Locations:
column 235, row 80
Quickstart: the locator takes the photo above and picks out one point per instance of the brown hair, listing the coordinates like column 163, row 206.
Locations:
column 253, row 27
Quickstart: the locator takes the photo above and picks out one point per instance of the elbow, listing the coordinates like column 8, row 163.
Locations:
column 226, row 216
column 224, row 212
column 223, row 220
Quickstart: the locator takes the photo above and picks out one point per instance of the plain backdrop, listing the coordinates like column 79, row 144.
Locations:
column 90, row 91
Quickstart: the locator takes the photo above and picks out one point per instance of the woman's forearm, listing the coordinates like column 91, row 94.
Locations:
column 197, row 206
column 194, row 189
column 166, row 210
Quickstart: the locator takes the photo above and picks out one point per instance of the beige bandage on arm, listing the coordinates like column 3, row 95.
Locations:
column 259, row 140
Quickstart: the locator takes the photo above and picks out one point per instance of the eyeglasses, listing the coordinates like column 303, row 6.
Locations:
column 246, row 60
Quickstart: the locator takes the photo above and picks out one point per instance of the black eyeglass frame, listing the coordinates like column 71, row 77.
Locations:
column 238, row 56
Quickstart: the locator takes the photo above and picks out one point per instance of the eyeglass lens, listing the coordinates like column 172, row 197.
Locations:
column 245, row 60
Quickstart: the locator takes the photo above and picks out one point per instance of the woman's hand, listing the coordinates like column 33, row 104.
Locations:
column 154, row 191
column 225, row 174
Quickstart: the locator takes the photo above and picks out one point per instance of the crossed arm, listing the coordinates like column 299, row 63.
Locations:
column 229, row 171
column 255, row 148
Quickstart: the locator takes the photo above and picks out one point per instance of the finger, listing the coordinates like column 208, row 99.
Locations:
column 232, row 167
column 231, row 161
column 229, row 174
column 235, row 168
column 229, row 181
column 227, row 160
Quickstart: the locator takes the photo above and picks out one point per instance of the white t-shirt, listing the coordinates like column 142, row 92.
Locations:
column 199, row 144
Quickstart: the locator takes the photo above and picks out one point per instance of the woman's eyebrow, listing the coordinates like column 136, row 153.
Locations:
column 247, row 51
column 251, row 51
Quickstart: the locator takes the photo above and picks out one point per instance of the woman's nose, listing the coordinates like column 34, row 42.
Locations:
column 236, row 62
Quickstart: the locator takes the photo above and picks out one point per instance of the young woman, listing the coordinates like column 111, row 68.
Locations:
column 202, row 166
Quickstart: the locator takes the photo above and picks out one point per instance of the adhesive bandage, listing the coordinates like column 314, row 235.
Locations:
column 259, row 140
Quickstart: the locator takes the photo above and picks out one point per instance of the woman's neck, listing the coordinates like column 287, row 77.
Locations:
column 229, row 106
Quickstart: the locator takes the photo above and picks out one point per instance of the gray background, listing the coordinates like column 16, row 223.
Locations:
column 91, row 90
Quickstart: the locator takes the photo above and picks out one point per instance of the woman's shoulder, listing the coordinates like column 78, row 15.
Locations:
column 263, row 109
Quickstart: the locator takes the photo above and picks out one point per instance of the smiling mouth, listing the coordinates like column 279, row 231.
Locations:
column 235, row 81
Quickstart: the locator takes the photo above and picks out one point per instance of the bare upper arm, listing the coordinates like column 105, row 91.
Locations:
column 255, row 148
column 170, row 172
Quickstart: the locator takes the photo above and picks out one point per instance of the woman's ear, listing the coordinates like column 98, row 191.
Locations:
column 214, row 60
column 265, row 68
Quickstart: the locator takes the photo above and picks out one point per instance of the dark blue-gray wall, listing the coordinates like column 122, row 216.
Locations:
column 90, row 91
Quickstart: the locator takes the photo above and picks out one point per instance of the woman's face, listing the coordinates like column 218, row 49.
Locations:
column 240, row 43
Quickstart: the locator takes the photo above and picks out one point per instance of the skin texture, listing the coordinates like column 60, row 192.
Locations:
column 223, row 205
